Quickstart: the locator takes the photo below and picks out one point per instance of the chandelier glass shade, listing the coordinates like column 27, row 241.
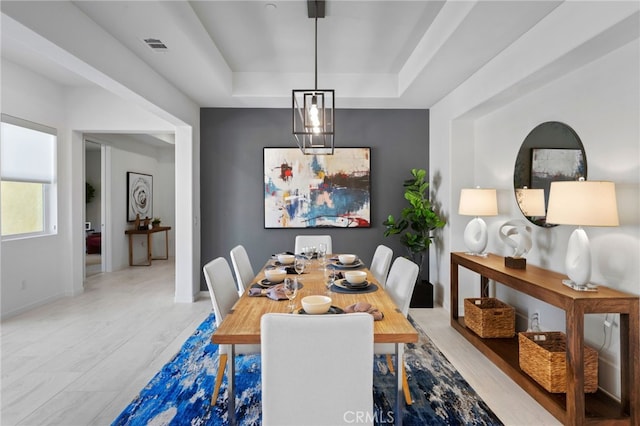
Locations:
column 313, row 110
column 313, row 120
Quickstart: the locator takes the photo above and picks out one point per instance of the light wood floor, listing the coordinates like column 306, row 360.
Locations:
column 81, row 360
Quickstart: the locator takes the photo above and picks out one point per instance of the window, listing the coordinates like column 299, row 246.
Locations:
column 28, row 170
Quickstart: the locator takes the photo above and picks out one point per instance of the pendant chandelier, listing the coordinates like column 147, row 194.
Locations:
column 313, row 109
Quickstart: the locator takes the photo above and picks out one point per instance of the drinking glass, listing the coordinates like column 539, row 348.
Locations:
column 322, row 255
column 300, row 264
column 328, row 275
column 291, row 291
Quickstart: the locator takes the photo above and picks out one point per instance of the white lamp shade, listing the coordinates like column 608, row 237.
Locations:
column 583, row 203
column 531, row 201
column 478, row 202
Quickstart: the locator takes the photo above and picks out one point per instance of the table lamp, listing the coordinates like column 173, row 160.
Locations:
column 531, row 201
column 581, row 203
column 477, row 202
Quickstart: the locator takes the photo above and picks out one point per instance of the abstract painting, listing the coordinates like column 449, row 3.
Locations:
column 548, row 165
column 139, row 196
column 315, row 191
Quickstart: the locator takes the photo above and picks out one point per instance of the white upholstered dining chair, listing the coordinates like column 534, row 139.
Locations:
column 223, row 292
column 303, row 241
column 380, row 263
column 242, row 267
column 317, row 369
column 400, row 283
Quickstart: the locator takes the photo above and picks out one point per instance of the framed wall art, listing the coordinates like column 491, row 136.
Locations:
column 316, row 191
column 551, row 164
column 139, row 196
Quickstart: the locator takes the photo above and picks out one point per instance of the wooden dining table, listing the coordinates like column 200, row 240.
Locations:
column 242, row 324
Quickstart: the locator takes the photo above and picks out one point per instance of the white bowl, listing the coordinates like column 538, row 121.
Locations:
column 275, row 275
column 316, row 304
column 286, row 259
column 355, row 277
column 347, row 259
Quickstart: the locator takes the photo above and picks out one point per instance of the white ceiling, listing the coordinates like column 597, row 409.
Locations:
column 376, row 54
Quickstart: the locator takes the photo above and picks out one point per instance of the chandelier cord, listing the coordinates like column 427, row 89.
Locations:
column 316, row 51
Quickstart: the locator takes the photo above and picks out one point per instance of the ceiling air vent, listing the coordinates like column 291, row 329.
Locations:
column 155, row 44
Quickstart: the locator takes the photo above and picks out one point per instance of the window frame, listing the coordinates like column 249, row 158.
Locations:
column 50, row 190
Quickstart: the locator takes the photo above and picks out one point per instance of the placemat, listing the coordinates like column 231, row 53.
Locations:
column 370, row 289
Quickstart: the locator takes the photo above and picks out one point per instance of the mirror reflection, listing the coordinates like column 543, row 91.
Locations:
column 552, row 151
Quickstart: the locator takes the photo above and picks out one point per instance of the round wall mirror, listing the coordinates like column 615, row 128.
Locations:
column 552, row 151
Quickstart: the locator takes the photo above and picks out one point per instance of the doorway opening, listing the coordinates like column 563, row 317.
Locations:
column 93, row 212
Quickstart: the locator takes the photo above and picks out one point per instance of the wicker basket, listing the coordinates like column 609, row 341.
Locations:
column 489, row 317
column 543, row 357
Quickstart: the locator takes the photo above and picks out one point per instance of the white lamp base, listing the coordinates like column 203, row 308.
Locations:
column 578, row 262
column 476, row 237
column 588, row 287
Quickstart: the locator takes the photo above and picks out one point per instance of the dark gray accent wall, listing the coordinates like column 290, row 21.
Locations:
column 232, row 198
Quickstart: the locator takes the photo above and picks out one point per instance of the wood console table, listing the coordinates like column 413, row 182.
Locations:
column 575, row 407
column 148, row 233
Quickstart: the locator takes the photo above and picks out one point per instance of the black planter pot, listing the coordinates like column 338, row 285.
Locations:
column 422, row 295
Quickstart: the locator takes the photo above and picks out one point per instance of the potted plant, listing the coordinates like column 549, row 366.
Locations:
column 416, row 223
column 90, row 192
column 155, row 222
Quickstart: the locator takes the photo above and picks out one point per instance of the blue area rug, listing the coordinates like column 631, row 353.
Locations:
column 180, row 393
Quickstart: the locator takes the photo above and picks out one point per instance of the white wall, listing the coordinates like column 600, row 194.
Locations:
column 52, row 267
column 163, row 200
column 117, row 70
column 600, row 102
column 477, row 130
column 33, row 269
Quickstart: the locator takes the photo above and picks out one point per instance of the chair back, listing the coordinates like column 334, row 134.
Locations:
column 317, row 369
column 380, row 263
column 401, row 281
column 303, row 241
column 242, row 267
column 222, row 287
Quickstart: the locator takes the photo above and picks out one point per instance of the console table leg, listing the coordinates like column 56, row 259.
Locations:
column 630, row 364
column 484, row 286
column 453, row 296
column 149, row 254
column 575, row 365
column 130, row 250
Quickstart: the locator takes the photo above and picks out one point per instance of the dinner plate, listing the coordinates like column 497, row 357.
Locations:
column 278, row 263
column 266, row 283
column 332, row 310
column 357, row 264
column 343, row 283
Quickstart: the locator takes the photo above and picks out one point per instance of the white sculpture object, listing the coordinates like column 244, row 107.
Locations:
column 517, row 235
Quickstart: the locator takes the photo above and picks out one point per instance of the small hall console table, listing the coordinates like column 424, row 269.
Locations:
column 148, row 233
column 575, row 407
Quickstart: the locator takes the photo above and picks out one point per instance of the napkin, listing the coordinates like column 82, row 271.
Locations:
column 338, row 275
column 276, row 292
column 364, row 307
